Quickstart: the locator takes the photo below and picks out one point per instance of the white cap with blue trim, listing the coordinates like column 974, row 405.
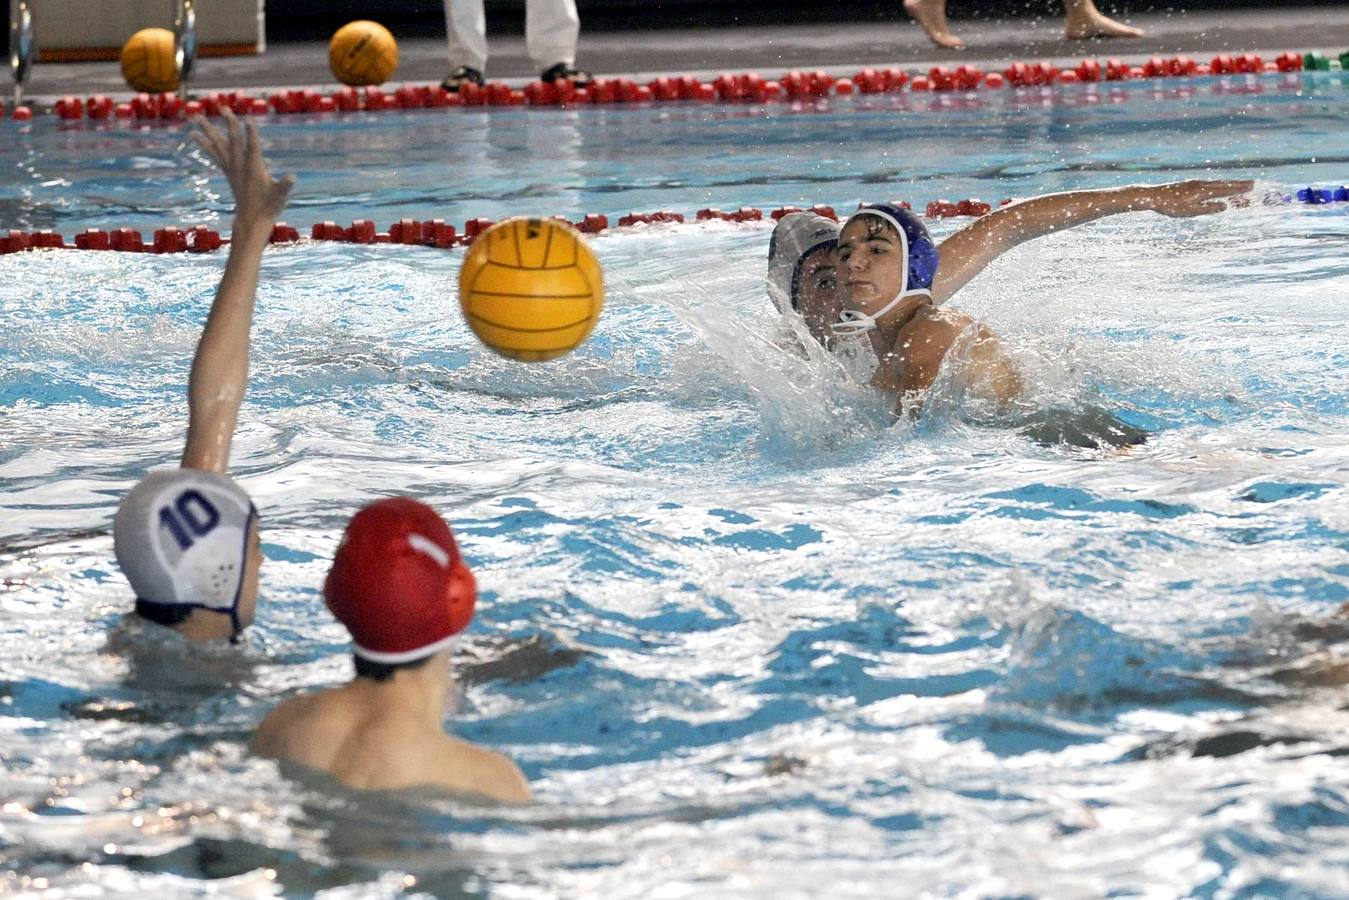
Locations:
column 181, row 538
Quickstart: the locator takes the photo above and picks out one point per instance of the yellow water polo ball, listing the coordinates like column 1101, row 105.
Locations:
column 531, row 289
column 362, row 52
column 148, row 62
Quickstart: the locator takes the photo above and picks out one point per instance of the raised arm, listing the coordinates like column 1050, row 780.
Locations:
column 219, row 377
column 969, row 251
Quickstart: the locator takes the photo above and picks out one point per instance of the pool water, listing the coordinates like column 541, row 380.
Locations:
column 745, row 635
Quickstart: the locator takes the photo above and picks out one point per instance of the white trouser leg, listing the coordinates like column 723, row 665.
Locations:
column 551, row 30
column 466, row 28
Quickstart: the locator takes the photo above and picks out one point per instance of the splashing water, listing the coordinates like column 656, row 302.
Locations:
column 746, row 635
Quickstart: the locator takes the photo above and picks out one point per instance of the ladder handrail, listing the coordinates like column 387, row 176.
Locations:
column 185, row 42
column 21, row 45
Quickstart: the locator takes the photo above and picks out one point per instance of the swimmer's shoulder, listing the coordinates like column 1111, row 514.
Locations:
column 392, row 750
column 298, row 728
column 932, row 330
column 943, row 321
column 923, row 342
column 991, row 373
column 466, row 768
column 384, row 749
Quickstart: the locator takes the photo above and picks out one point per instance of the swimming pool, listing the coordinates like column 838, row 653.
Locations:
column 745, row 637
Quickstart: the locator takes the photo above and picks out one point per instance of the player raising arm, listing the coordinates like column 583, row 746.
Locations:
column 187, row 538
column 895, row 277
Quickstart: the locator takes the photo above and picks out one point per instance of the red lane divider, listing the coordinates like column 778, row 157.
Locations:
column 593, row 223
column 14, row 242
column 649, row 218
column 726, row 88
column 945, row 209
column 439, row 233
column 170, row 240
column 475, row 227
column 409, row 232
column 826, row 211
column 93, row 239
column 743, row 214
column 203, row 240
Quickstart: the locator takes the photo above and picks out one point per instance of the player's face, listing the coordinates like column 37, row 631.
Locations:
column 870, row 264
column 818, row 297
column 248, row 591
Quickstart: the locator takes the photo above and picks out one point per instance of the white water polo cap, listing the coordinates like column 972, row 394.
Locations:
column 181, row 538
column 795, row 238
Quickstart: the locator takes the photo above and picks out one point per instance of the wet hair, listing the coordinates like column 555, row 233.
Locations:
column 384, row 671
column 877, row 226
column 166, row 614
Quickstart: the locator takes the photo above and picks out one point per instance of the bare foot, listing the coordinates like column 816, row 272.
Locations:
column 1083, row 23
column 931, row 14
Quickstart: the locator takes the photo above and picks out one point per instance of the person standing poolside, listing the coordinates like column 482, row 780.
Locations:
column 552, row 28
column 894, row 278
column 402, row 590
column 1082, row 20
column 187, row 538
column 802, row 260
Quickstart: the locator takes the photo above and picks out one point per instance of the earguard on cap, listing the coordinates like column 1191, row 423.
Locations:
column 795, row 237
column 181, row 539
column 398, row 583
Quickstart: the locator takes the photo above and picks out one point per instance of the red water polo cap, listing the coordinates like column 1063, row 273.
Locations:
column 398, row 583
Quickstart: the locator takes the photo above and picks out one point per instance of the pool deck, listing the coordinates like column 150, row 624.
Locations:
column 773, row 49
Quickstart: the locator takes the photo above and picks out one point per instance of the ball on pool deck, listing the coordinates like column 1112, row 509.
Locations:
column 362, row 52
column 531, row 289
column 148, row 62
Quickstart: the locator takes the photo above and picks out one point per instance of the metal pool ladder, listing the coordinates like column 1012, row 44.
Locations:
column 20, row 45
column 185, row 42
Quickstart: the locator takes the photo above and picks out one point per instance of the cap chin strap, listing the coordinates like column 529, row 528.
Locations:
column 853, row 322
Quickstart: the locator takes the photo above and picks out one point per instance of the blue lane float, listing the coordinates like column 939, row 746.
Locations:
column 1318, row 196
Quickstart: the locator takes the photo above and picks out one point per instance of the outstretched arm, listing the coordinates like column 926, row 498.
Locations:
column 969, row 251
column 219, row 377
